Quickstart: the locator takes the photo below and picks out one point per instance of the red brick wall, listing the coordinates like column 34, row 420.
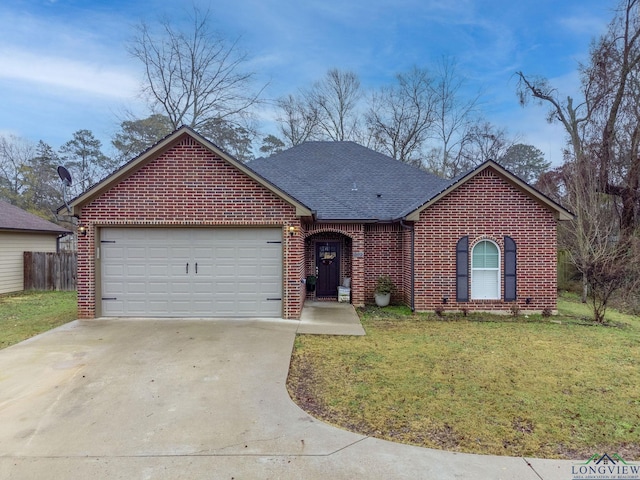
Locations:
column 487, row 206
column 384, row 255
column 189, row 185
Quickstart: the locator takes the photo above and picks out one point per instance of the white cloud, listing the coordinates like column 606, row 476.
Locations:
column 584, row 24
column 65, row 73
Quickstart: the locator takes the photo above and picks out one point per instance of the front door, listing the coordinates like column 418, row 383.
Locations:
column 328, row 264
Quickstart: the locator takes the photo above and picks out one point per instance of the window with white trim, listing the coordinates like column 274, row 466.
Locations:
column 485, row 271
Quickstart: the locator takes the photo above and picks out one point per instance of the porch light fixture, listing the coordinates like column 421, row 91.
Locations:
column 82, row 230
column 292, row 231
column 445, row 299
column 528, row 300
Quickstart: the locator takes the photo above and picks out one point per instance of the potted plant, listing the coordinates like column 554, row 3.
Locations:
column 384, row 289
column 311, row 283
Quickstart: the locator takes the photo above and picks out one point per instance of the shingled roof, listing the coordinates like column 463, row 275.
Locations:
column 333, row 181
column 346, row 181
column 16, row 219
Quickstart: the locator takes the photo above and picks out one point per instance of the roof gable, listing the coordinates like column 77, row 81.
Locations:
column 14, row 218
column 561, row 213
column 163, row 146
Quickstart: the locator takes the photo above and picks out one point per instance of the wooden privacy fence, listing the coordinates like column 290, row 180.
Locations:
column 50, row 271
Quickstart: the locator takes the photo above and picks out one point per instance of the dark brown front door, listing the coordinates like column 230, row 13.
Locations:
column 328, row 263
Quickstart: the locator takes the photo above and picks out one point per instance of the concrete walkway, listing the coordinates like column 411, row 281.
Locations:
column 329, row 318
column 191, row 399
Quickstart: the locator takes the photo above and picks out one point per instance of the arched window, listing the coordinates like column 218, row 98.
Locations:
column 485, row 271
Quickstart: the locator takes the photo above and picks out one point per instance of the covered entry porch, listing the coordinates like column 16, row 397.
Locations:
column 334, row 257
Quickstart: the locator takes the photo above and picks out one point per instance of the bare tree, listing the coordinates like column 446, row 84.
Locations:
column 298, row 119
column 575, row 118
column 400, row 116
column 614, row 77
column 603, row 127
column 603, row 136
column 455, row 118
column 481, row 141
column 484, row 141
column 426, row 121
column 193, row 76
column 606, row 261
column 336, row 98
column 327, row 110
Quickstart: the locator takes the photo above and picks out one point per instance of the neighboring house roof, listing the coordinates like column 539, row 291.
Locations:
column 346, row 181
column 15, row 219
column 161, row 147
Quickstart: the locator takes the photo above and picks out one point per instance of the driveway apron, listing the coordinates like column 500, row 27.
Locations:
column 141, row 398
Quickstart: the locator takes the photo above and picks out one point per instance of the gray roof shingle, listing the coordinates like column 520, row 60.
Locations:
column 346, row 181
column 14, row 218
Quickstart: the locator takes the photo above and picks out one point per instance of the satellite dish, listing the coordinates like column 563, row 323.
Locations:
column 65, row 176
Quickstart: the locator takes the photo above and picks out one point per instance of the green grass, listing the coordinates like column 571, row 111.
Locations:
column 25, row 314
column 558, row 387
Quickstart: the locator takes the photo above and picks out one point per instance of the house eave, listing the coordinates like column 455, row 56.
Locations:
column 346, row 220
column 41, row 232
column 369, row 221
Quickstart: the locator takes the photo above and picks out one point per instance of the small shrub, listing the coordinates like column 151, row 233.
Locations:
column 465, row 312
column 547, row 312
column 384, row 285
column 439, row 311
column 515, row 310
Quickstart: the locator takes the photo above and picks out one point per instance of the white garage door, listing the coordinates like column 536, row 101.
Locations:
column 191, row 272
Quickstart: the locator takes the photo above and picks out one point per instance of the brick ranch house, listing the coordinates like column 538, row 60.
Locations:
column 185, row 230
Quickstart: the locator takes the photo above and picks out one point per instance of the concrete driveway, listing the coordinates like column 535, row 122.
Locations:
column 190, row 399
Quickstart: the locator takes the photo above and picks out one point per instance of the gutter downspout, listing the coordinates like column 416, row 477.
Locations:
column 58, row 238
column 413, row 277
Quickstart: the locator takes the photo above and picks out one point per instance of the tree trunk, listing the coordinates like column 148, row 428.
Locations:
column 585, row 289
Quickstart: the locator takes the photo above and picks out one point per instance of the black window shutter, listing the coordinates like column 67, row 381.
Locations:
column 462, row 270
column 510, row 280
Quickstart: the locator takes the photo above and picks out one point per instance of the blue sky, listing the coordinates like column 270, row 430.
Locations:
column 64, row 65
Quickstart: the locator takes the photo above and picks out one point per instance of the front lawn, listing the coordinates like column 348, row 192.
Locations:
column 556, row 387
column 25, row 314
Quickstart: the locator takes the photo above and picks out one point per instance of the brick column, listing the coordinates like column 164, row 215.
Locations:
column 357, row 267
